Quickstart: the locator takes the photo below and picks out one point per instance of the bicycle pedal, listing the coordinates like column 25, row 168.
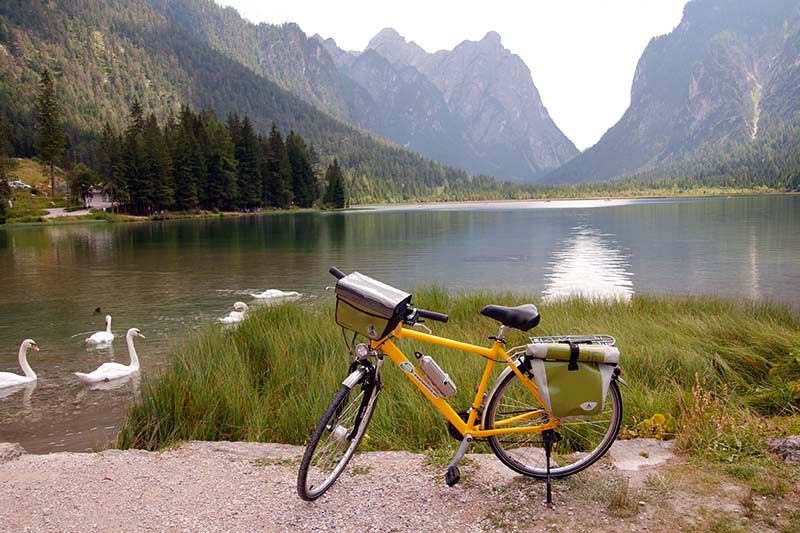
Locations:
column 452, row 476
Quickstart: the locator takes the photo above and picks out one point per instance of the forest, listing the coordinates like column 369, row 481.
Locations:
column 103, row 55
column 195, row 161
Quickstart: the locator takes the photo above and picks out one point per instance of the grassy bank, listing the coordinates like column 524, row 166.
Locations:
column 591, row 191
column 272, row 378
column 36, row 216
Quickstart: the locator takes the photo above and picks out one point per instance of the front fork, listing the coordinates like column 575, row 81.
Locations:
column 359, row 368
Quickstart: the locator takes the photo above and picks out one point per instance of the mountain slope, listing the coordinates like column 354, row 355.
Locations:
column 107, row 53
column 491, row 90
column 281, row 53
column 726, row 73
column 490, row 141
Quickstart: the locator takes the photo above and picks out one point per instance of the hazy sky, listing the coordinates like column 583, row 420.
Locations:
column 582, row 53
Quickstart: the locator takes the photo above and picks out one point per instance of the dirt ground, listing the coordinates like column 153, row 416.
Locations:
column 221, row 486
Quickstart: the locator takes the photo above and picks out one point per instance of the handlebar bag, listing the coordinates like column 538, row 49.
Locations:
column 369, row 307
column 572, row 393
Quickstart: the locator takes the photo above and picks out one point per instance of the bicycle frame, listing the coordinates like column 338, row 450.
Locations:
column 495, row 354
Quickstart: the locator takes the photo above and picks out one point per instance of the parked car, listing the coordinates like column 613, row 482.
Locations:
column 17, row 184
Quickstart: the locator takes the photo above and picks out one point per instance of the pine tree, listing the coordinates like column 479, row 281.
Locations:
column 80, row 180
column 278, row 176
column 6, row 149
column 5, row 193
column 316, row 167
column 221, row 192
column 49, row 136
column 304, row 182
column 248, row 155
column 158, row 164
column 184, row 162
column 134, row 164
column 336, row 191
column 109, row 163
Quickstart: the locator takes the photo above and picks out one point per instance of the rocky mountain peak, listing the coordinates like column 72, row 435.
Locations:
column 394, row 47
column 725, row 74
column 492, row 38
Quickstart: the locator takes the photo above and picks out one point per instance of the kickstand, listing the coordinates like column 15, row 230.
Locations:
column 549, row 436
column 453, row 474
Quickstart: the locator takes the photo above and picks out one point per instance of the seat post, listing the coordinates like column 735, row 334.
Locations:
column 501, row 334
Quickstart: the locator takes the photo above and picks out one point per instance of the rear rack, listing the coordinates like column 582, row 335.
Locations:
column 606, row 340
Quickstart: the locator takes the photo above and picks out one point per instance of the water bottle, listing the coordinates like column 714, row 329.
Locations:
column 437, row 377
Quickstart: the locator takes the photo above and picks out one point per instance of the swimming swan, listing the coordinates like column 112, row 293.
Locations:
column 237, row 315
column 275, row 294
column 102, row 337
column 111, row 371
column 8, row 379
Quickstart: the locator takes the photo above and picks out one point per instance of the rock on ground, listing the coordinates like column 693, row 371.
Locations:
column 10, row 451
column 788, row 448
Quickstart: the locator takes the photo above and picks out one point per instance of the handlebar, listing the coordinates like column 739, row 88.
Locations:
column 421, row 313
column 433, row 315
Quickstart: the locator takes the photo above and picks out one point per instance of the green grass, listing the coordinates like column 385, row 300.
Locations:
column 35, row 174
column 30, row 206
column 272, row 378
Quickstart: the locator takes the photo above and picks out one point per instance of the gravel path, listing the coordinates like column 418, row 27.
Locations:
column 221, row 486
column 61, row 212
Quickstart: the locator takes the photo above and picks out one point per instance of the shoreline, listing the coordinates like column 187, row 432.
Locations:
column 119, row 218
column 737, row 194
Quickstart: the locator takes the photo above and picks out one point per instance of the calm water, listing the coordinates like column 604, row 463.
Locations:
column 167, row 278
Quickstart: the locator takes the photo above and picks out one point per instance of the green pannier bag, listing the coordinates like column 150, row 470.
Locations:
column 577, row 392
column 369, row 307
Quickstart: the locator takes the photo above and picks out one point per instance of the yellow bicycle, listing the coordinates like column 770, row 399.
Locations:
column 539, row 428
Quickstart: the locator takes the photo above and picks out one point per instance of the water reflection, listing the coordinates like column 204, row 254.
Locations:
column 588, row 264
column 134, row 379
column 28, row 389
column 753, row 253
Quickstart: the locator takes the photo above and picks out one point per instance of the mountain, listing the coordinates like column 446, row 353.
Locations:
column 281, row 53
column 509, row 135
column 107, row 53
column 493, row 121
column 726, row 75
column 506, row 130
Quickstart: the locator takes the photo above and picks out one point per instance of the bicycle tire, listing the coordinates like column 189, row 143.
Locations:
column 321, row 467
column 584, row 440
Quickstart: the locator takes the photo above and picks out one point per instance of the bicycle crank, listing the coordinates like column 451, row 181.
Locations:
column 451, row 429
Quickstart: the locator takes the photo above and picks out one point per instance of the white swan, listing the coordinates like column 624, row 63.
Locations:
column 237, row 315
column 102, row 337
column 275, row 294
column 111, row 371
column 8, row 379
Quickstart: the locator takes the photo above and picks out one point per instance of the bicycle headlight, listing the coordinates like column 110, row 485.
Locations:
column 361, row 351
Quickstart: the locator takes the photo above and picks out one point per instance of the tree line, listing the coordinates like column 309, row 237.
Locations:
column 194, row 161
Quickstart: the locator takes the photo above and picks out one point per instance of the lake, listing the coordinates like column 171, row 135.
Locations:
column 168, row 278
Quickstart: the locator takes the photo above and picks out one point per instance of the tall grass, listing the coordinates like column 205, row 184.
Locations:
column 272, row 378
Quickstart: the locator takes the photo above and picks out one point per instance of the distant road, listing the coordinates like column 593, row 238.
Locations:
column 61, row 212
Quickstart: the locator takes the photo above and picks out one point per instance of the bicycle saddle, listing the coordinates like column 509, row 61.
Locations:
column 522, row 317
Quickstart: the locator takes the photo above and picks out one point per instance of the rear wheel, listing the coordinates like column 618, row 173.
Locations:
column 582, row 440
column 336, row 437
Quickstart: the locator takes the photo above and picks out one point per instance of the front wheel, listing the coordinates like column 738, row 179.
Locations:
column 336, row 437
column 583, row 440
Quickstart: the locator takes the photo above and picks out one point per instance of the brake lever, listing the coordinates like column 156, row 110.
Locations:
column 423, row 326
